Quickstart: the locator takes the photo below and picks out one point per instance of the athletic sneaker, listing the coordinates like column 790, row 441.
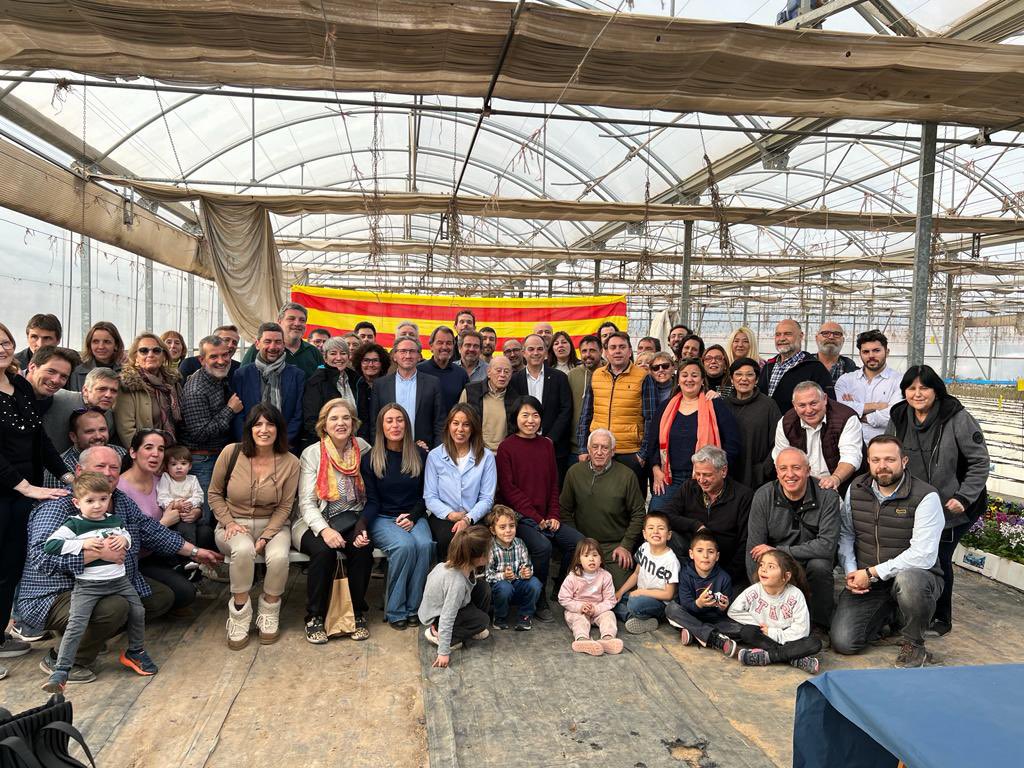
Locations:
column 720, row 642
column 543, row 613
column 56, row 683
column 78, row 673
column 12, row 646
column 483, row 634
column 524, row 624
column 912, row 656
column 501, row 623
column 637, row 626
column 808, row 664
column 28, row 634
column 591, row 647
column 139, row 662
column 611, row 644
column 430, row 632
column 754, row 657
column 315, row 631
column 685, row 637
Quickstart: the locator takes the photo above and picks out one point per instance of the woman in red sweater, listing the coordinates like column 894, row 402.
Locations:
column 528, row 482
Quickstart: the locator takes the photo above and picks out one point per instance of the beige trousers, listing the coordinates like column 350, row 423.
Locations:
column 241, row 548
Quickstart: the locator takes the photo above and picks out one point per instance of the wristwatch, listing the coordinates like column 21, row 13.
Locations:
column 193, row 553
column 67, row 478
column 871, row 579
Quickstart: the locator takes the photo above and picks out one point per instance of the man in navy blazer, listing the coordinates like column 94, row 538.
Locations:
column 551, row 387
column 270, row 363
column 419, row 394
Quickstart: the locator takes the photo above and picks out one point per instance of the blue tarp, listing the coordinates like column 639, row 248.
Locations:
column 929, row 718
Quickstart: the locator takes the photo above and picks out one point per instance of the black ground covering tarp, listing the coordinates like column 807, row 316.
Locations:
column 524, row 700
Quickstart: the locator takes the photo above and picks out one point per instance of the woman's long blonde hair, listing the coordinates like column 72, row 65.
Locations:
column 751, row 337
column 412, row 462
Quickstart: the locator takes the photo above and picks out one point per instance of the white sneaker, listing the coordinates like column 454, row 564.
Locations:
column 238, row 624
column 483, row 634
column 268, row 620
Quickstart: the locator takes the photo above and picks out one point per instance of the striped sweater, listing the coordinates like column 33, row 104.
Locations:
column 70, row 539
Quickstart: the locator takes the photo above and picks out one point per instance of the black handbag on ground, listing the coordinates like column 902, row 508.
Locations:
column 39, row 737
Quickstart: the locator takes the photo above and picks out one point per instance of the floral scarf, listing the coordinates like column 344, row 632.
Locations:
column 166, row 405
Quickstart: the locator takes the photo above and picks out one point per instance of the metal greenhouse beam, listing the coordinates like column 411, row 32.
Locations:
column 922, row 246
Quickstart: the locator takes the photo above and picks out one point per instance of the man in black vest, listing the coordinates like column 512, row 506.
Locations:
column 888, row 547
column 795, row 515
column 828, row 432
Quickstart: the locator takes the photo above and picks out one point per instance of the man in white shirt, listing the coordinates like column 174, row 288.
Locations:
column 873, row 389
column 888, row 546
column 827, row 431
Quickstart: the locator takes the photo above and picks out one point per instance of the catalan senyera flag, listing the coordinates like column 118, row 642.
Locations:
column 339, row 309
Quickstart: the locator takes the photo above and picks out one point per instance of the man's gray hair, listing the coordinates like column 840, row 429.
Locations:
column 713, row 455
column 599, row 432
column 210, row 341
column 293, row 306
column 88, row 453
column 793, row 449
column 414, row 339
column 807, row 386
column 411, row 324
column 336, row 342
column 99, row 373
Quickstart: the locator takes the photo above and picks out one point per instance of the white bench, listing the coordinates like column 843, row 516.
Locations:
column 294, row 556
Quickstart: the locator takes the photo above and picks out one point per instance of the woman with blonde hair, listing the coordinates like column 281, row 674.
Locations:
column 743, row 343
column 332, row 496
column 150, row 395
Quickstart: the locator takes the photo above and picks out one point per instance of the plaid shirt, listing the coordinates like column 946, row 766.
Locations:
column 46, row 576
column 515, row 556
column 779, row 368
column 205, row 412
column 648, row 406
column 70, row 459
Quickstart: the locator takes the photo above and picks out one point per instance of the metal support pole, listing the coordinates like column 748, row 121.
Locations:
column 922, row 245
column 190, row 340
column 149, row 295
column 947, row 328
column 220, row 306
column 993, row 339
column 684, row 292
column 597, row 276
column 85, row 278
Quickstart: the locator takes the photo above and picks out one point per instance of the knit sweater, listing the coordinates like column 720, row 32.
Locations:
column 528, row 477
column 72, row 535
column 578, row 590
column 446, row 592
column 785, row 614
column 756, row 418
column 608, row 506
column 244, row 498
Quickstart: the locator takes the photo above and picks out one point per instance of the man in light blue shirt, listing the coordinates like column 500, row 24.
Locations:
column 419, row 396
column 888, row 546
column 405, row 379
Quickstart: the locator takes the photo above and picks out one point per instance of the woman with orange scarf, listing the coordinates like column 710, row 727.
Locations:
column 689, row 420
column 331, row 498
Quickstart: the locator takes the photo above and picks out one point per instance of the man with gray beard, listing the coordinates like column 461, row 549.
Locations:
column 830, row 338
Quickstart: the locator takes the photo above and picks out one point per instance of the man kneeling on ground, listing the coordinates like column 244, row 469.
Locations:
column 44, row 601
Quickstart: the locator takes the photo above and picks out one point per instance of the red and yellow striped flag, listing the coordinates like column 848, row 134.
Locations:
column 339, row 309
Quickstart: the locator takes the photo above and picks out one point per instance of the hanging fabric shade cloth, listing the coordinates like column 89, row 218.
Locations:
column 934, row 717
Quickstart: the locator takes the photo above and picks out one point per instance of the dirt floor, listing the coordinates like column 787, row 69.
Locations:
column 514, row 700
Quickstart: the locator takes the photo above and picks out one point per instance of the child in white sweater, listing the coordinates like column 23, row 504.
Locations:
column 588, row 597
column 177, row 489
column 773, row 616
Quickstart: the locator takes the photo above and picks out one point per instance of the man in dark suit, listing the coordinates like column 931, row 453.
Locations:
column 420, row 395
column 551, row 387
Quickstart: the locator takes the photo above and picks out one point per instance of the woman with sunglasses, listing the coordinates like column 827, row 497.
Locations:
column 370, row 362
column 150, row 396
column 103, row 348
column 662, row 371
column 686, row 423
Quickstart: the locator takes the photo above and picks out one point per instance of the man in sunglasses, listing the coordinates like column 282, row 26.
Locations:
column 99, row 392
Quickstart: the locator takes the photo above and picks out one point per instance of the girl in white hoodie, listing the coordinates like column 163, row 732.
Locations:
column 773, row 616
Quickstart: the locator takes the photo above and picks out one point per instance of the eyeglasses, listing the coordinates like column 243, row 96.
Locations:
column 371, row 360
column 661, row 366
column 149, row 351
column 7, row 346
column 832, row 333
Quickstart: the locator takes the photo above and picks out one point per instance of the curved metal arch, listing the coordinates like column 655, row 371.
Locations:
column 425, row 151
column 162, row 113
column 500, row 130
column 819, row 175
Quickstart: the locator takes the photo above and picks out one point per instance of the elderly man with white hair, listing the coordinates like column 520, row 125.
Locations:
column 799, row 517
column 827, row 431
column 601, row 499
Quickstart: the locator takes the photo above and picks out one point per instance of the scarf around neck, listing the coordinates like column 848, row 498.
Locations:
column 166, row 407
column 270, row 379
column 338, row 477
column 707, row 429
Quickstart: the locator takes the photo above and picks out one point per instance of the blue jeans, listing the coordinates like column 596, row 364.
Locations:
column 522, row 592
column 409, row 554
column 640, row 606
column 202, row 468
column 658, row 503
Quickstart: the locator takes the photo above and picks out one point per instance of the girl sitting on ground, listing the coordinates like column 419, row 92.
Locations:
column 773, row 616
column 456, row 605
column 588, row 597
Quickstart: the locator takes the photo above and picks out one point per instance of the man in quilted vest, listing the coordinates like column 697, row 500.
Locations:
column 888, row 547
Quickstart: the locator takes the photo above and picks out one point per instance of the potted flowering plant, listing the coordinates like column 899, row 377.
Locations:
column 994, row 545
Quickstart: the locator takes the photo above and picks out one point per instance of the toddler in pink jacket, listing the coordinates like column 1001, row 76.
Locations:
column 588, row 597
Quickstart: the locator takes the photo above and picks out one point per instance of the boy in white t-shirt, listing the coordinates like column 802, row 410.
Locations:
column 654, row 580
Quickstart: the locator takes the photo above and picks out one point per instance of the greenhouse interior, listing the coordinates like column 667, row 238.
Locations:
column 195, row 164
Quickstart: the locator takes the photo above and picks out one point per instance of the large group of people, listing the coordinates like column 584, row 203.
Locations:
column 697, row 484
